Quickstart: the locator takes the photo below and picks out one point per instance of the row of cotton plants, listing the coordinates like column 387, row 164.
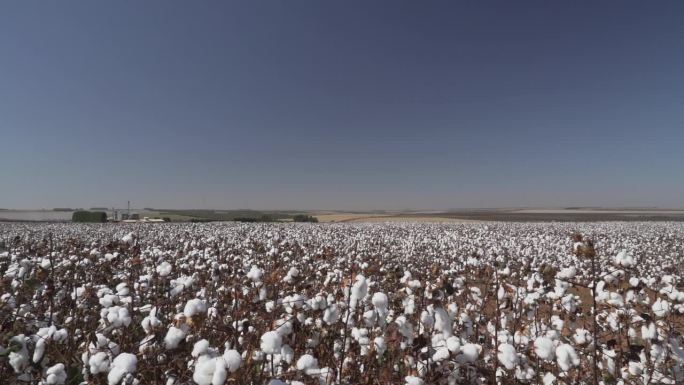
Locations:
column 318, row 304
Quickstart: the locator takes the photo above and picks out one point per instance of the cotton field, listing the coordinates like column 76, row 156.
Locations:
column 400, row 303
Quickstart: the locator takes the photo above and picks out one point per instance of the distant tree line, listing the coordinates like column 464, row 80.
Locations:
column 304, row 218
column 89, row 216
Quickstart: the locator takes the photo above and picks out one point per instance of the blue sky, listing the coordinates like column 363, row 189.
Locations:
column 341, row 105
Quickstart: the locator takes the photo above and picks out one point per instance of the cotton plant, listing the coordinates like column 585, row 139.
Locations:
column 342, row 303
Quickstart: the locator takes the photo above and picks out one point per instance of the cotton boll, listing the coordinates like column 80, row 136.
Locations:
column 413, row 380
column 195, row 306
column 443, row 322
column 649, row 332
column 661, row 308
column 566, row 357
column 128, row 238
column 507, row 356
column 255, row 274
column 287, row 354
column 469, row 353
column 582, row 336
column 18, row 357
column 380, row 301
column 567, row 273
column 440, row 354
column 164, row 269
column 200, row 348
column 331, row 314
column 56, row 375
column 98, row 363
column 122, row 289
column 204, row 370
column 118, row 316
column 271, row 342
column 39, row 350
column 549, row 379
column 623, row 259
column 220, row 373
column 232, row 359
column 380, row 345
column 123, row 364
column 150, row 322
column 358, row 291
column 453, row 344
column 544, row 348
column 307, row 362
column 173, row 337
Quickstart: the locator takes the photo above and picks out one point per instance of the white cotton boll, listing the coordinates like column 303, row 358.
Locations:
column 255, row 274
column 200, row 347
column 174, row 336
column 544, row 348
column 453, row 344
column 291, row 275
column 98, row 363
column 39, row 350
column 128, row 238
column 469, row 353
column 549, row 379
column 443, row 322
column 307, row 362
column 567, row 273
column 123, row 364
column 319, row 302
column 649, row 332
column 287, row 354
column 582, row 336
column 568, row 303
column 409, row 304
column 358, row 291
column 413, row 380
column 195, row 306
column 45, row 263
column 634, row 282
column 380, row 301
column 220, row 373
column 566, row 357
column 118, row 316
column 331, row 314
column 232, row 359
column 60, row 335
column 204, row 370
column 18, row 357
column 276, row 382
column 380, row 345
column 624, row 260
column 441, row 354
column 271, row 342
column 108, row 300
column 150, row 322
column 122, row 289
column 508, row 356
column 635, row 368
column 56, row 375
column 369, row 317
column 285, row 327
column 661, row 308
column 164, row 269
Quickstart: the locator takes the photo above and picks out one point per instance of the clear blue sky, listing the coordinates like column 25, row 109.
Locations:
column 346, row 104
